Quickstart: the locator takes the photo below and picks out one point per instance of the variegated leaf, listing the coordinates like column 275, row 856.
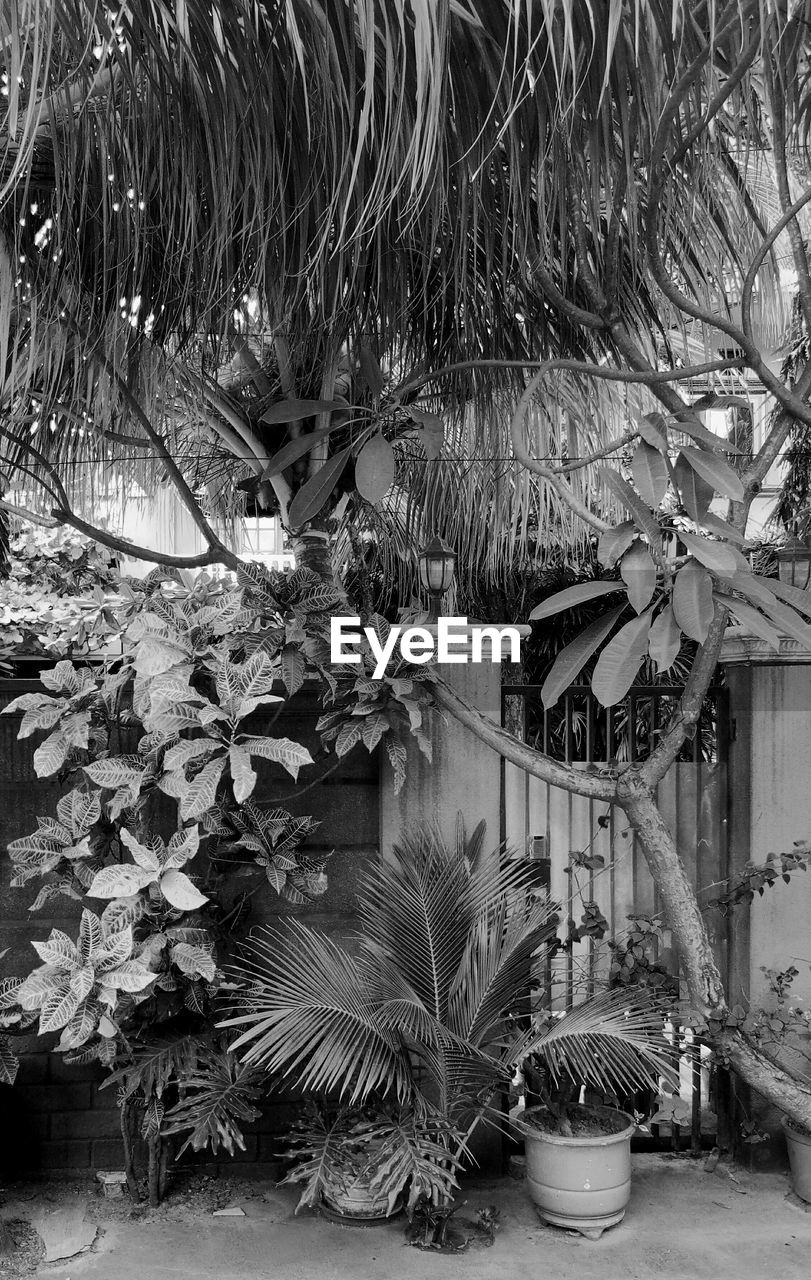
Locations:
column 144, row 857
column 117, row 944
column 179, row 891
column 58, row 1011
column 91, row 936
column 291, row 755
column 129, row 976
column 119, row 881
column 64, row 678
column 182, row 847
column 194, row 961
column 51, row 754
column 201, row 792
column 243, row 776
column 116, row 771
column 44, row 716
column 59, row 950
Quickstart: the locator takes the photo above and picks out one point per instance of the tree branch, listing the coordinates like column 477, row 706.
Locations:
column 235, row 431
column 25, row 513
column 612, row 447
column 647, row 376
column 755, row 265
column 176, row 475
column 690, row 703
column 677, row 894
column 771, row 1080
column 58, row 491
column 214, row 555
column 506, row 745
column 778, row 127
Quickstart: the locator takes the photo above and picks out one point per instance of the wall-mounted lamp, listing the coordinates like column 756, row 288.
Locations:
column 437, row 562
column 794, row 562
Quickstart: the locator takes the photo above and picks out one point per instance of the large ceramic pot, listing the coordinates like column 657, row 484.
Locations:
column 582, row 1182
column 799, row 1157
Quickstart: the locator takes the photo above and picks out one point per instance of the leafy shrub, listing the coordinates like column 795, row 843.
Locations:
column 160, row 762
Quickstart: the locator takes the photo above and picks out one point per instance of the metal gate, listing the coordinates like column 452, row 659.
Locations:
column 586, row 856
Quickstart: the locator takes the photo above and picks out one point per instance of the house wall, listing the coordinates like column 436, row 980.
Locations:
column 770, row 777
column 770, row 809
column 56, row 1119
column 463, row 776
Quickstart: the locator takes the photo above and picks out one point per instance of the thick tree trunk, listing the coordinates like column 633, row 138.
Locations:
column 311, row 547
column 704, row 982
column 681, row 909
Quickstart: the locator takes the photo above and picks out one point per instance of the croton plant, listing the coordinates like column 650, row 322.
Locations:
column 158, row 750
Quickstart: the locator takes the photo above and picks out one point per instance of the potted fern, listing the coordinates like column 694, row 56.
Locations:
column 366, row 1163
column 426, row 1008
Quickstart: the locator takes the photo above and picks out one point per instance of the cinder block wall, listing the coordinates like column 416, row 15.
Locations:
column 56, row 1120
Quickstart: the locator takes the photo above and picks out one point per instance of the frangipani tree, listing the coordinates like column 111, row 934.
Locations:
column 585, row 194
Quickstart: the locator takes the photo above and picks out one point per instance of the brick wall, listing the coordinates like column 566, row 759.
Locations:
column 56, row 1120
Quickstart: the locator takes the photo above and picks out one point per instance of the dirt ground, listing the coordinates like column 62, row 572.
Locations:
column 682, row 1222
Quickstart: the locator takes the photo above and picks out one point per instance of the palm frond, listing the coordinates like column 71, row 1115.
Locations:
column 418, row 908
column 610, row 1041
column 496, row 965
column 308, row 1013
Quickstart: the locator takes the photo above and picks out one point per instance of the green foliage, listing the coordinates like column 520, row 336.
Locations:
column 635, row 958
column 428, row 1006
column 757, row 877
column 387, row 1152
column 165, row 726
column 368, row 711
column 60, row 595
column 667, row 495
column 219, row 1094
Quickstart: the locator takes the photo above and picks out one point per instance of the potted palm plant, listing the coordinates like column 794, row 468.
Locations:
column 427, row 1008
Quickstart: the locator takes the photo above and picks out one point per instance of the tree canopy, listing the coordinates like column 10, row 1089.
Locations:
column 384, row 213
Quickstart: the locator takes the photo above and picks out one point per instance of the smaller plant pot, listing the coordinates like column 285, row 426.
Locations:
column 582, row 1183
column 799, row 1158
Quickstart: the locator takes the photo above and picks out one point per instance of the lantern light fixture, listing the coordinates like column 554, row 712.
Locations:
column 437, row 562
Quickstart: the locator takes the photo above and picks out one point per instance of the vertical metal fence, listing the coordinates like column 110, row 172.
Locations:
column 584, row 853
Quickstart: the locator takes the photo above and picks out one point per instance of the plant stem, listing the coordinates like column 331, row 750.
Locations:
column 125, row 1119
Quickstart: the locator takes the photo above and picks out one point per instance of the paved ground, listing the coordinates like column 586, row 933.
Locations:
column 682, row 1222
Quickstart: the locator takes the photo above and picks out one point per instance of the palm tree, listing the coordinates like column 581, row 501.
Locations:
column 428, row 1005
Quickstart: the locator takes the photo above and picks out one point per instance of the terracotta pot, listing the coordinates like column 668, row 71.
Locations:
column 799, row 1157
column 582, row 1183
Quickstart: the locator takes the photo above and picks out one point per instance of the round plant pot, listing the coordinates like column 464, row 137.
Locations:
column 799, row 1157
column 582, row 1183
column 356, row 1203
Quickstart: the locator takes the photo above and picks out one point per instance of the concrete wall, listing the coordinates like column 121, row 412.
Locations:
column 56, row 1119
column 770, row 809
column 770, row 776
column 463, row 775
